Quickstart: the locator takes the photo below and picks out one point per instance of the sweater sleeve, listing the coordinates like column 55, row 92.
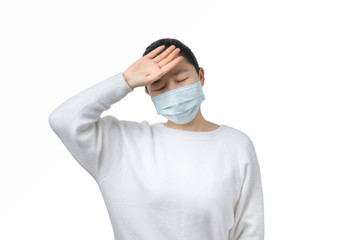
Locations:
column 84, row 133
column 249, row 207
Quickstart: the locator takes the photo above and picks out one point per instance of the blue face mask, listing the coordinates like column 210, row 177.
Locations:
column 180, row 105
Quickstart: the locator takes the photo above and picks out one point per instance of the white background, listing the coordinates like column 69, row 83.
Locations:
column 286, row 73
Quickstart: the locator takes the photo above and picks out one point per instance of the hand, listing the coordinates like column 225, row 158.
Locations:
column 149, row 69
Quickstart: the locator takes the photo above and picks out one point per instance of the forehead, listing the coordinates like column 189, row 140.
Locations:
column 182, row 67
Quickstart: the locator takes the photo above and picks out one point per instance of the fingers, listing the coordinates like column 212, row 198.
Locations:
column 169, row 58
column 164, row 54
column 171, row 65
column 154, row 52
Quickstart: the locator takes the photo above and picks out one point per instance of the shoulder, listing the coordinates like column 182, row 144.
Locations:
column 238, row 137
column 238, row 143
column 242, row 150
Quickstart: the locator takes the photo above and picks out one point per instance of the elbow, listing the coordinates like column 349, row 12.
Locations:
column 53, row 120
column 68, row 126
column 56, row 120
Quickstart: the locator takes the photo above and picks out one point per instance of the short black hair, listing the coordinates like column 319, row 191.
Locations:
column 185, row 51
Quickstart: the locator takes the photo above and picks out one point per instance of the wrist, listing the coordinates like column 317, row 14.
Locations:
column 127, row 80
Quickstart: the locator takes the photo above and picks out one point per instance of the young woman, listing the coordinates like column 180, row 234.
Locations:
column 184, row 179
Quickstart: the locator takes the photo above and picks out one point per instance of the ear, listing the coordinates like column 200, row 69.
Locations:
column 202, row 76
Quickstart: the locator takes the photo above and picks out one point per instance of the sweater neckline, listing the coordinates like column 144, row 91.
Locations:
column 178, row 132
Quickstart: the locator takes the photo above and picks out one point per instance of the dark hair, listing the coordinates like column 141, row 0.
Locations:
column 184, row 50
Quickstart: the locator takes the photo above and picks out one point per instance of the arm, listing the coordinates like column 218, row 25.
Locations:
column 85, row 134
column 249, row 208
column 99, row 144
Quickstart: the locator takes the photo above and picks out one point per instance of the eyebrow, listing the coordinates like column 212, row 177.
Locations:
column 175, row 73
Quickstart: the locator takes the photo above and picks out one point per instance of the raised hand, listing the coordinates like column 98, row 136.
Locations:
column 149, row 68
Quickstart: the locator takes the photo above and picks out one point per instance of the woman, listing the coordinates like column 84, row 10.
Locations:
column 184, row 179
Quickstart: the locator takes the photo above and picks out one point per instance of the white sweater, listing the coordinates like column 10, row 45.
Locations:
column 161, row 183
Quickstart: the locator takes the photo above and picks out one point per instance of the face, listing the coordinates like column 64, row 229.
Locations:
column 181, row 75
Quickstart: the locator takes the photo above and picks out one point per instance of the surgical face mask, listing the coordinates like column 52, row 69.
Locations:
column 180, row 105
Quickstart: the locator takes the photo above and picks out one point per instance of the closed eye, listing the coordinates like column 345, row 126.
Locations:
column 164, row 86
column 159, row 89
column 181, row 80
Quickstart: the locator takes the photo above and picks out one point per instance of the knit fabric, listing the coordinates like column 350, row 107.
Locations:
column 161, row 183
